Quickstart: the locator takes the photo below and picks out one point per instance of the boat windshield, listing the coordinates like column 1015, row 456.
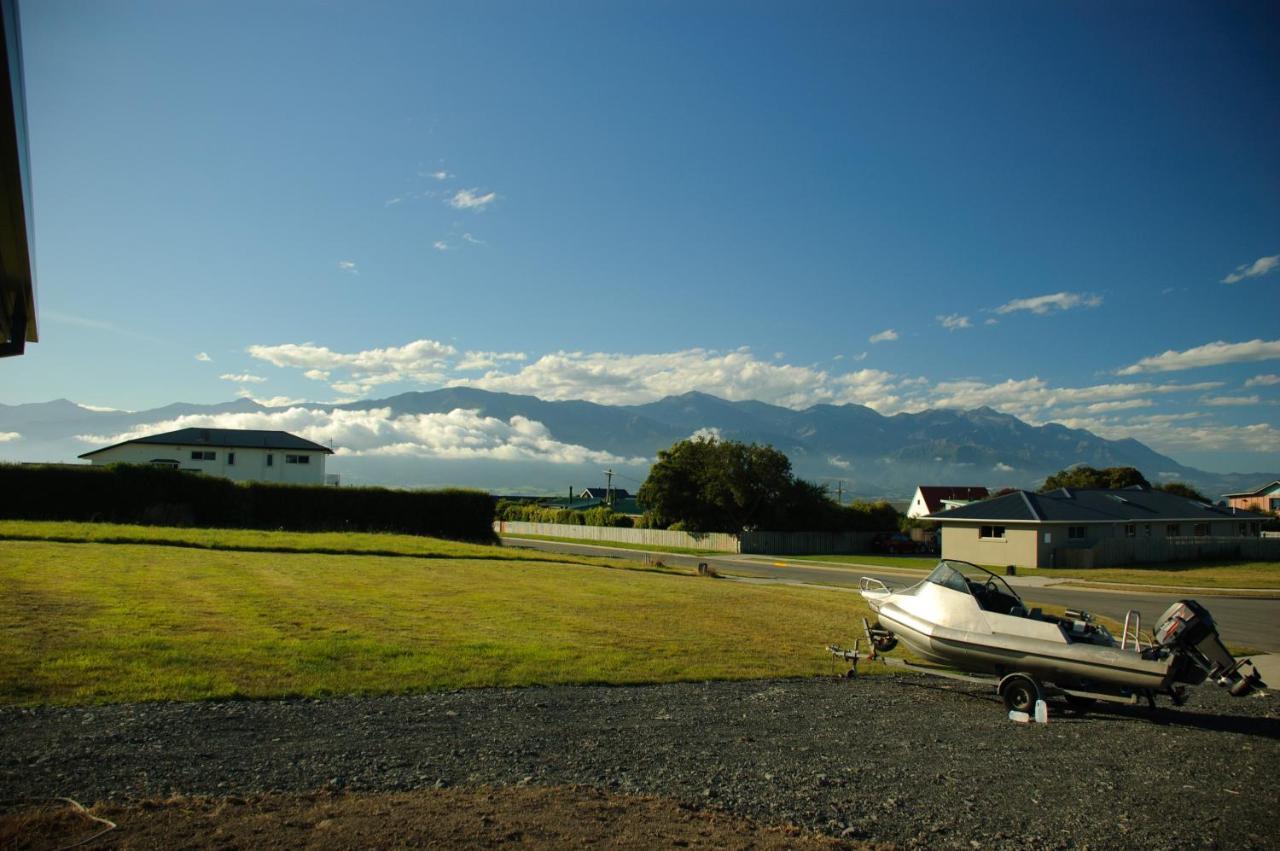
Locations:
column 991, row 591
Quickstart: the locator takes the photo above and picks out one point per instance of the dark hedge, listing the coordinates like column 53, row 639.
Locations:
column 125, row 493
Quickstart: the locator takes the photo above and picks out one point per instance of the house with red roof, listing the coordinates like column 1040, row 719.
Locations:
column 930, row 499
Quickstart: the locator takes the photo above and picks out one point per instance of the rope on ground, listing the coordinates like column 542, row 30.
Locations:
column 78, row 808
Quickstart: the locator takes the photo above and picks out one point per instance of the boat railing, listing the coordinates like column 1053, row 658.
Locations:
column 1132, row 629
column 870, row 583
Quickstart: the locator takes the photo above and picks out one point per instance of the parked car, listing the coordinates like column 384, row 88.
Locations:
column 893, row 543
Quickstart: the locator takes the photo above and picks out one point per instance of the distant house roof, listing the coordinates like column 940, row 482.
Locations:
column 1068, row 505
column 602, row 493
column 229, row 438
column 1262, row 491
column 934, row 495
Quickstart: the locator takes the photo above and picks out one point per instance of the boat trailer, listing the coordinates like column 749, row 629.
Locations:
column 1019, row 690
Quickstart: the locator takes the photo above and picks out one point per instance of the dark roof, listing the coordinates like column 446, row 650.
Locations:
column 600, row 493
column 935, row 494
column 1091, row 506
column 230, row 438
column 1258, row 492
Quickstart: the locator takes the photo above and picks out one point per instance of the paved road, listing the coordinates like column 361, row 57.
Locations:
column 1241, row 620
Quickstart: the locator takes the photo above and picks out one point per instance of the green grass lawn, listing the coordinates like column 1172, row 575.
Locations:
column 622, row 545
column 254, row 540
column 91, row 623
column 1191, row 574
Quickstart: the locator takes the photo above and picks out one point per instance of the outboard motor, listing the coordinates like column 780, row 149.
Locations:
column 1187, row 629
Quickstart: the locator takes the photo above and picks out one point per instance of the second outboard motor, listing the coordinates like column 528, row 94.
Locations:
column 1187, row 629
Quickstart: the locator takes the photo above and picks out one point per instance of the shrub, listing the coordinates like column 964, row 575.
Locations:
column 126, row 493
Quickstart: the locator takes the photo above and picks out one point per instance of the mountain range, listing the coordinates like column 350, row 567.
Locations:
column 850, row 447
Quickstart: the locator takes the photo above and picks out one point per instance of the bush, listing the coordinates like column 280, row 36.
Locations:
column 129, row 493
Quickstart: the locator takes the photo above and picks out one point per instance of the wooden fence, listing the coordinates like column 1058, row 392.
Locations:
column 779, row 543
column 1116, row 553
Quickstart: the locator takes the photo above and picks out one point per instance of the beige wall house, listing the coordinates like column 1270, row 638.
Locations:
column 1265, row 499
column 242, row 455
column 1093, row 528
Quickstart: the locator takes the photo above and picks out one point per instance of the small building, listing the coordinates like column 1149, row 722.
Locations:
column 1265, row 499
column 930, row 499
column 1092, row 528
column 242, row 455
column 603, row 493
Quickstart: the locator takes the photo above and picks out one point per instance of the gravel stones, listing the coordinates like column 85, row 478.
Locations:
column 905, row 760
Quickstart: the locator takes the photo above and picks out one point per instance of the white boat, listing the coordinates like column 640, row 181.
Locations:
column 965, row 617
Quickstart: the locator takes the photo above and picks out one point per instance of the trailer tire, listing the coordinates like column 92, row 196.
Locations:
column 1020, row 692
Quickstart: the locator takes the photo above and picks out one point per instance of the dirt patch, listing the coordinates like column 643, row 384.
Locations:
column 559, row 817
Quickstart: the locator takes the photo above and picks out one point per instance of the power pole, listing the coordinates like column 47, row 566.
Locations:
column 608, row 488
column 839, row 492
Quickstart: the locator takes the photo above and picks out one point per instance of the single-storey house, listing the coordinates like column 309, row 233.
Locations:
column 1088, row 528
column 1265, row 499
column 930, row 499
column 233, row 453
column 603, row 493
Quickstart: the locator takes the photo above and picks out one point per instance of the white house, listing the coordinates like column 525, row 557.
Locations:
column 930, row 499
column 240, row 454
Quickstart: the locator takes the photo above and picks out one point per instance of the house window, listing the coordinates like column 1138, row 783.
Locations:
column 171, row 463
column 991, row 533
column 203, row 455
column 231, row 459
column 1146, row 529
column 297, row 459
column 1275, row 504
column 1131, row 530
column 1075, row 532
column 1173, row 530
column 271, row 459
column 1202, row 530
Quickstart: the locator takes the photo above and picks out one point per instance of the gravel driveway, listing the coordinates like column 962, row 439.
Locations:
column 909, row 760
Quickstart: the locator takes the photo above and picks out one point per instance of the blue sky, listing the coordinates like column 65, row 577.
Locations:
column 1036, row 207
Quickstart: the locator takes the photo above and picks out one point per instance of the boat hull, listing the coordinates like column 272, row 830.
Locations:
column 1061, row 663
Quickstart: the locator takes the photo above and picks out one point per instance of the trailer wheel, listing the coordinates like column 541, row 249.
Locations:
column 1020, row 692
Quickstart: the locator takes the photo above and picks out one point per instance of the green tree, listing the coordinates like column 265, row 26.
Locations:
column 1183, row 489
column 1112, row 478
column 710, row 485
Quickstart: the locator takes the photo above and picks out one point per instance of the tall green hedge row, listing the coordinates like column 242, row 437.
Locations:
column 126, row 493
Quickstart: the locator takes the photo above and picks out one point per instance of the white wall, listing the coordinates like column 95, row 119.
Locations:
column 250, row 464
column 918, row 506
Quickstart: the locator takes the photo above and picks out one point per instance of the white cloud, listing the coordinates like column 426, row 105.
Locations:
column 100, row 409
column 203, row 357
column 884, row 336
column 991, row 320
column 1002, row 467
column 707, row 433
column 487, row 360
column 422, row 362
column 1031, row 398
column 837, row 461
column 1227, row 401
column 348, row 266
column 440, row 174
column 9, row 436
column 1263, row 381
column 622, row 379
column 459, row 434
column 440, row 245
column 1256, row 269
column 242, row 378
column 471, row 239
column 953, row 321
column 1177, row 432
column 1210, row 354
column 1043, row 304
column 1107, row 407
column 316, row 374
column 468, row 199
